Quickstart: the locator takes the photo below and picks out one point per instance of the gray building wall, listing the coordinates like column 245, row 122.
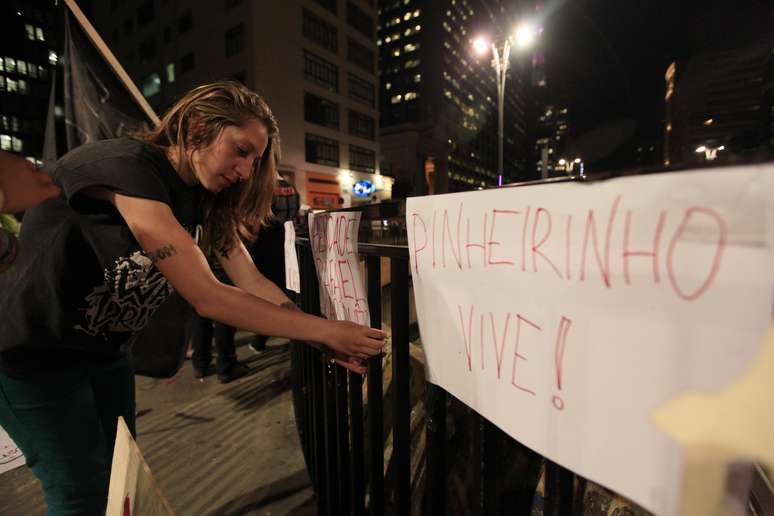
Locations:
column 271, row 61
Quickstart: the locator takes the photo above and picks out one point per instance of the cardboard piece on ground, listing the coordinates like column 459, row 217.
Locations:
column 10, row 455
column 292, row 276
column 720, row 428
column 133, row 489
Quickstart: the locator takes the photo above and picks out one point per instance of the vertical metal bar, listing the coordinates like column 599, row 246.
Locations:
column 489, row 477
column 401, row 376
column 342, row 435
column 357, row 501
column 319, row 434
column 357, row 507
column 308, row 408
column 435, row 493
column 375, row 409
column 331, row 470
column 559, row 486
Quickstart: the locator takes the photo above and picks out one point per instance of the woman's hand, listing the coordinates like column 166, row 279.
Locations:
column 354, row 340
column 23, row 186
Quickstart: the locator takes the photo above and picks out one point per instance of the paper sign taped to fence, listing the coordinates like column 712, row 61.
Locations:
column 334, row 246
column 567, row 313
column 292, row 277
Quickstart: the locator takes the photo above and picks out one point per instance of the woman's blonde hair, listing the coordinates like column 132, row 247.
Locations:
column 193, row 123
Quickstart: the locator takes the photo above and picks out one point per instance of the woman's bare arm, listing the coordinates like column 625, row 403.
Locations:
column 183, row 264
column 241, row 269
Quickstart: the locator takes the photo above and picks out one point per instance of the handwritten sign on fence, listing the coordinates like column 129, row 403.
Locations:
column 292, row 275
column 567, row 313
column 334, row 246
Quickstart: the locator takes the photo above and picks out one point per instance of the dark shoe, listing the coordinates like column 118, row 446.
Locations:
column 257, row 346
column 238, row 371
column 200, row 373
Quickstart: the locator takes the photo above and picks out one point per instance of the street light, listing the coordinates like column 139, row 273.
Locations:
column 522, row 37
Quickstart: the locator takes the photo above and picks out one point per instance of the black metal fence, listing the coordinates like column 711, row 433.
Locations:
column 343, row 444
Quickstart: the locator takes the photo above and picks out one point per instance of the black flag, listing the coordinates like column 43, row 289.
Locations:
column 95, row 105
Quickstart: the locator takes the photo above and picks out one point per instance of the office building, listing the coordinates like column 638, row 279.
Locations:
column 439, row 100
column 719, row 106
column 314, row 61
column 27, row 60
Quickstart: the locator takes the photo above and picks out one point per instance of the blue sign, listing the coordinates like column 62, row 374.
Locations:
column 363, row 188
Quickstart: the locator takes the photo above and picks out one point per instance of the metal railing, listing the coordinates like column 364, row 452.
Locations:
column 343, row 443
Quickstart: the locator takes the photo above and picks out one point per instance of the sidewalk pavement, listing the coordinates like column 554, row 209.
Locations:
column 214, row 449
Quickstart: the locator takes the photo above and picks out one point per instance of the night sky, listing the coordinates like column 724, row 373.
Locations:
column 608, row 57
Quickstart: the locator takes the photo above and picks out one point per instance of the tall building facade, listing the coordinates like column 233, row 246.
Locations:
column 719, row 106
column 439, row 100
column 27, row 60
column 314, row 61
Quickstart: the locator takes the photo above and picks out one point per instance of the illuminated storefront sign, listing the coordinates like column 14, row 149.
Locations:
column 363, row 188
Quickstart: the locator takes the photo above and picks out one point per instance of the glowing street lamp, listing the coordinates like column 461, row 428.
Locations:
column 523, row 36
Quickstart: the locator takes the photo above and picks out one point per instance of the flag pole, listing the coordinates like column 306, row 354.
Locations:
column 108, row 55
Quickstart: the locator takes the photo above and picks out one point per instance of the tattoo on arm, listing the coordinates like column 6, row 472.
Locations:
column 162, row 253
column 290, row 305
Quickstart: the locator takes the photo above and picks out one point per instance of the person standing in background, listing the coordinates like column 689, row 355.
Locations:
column 268, row 250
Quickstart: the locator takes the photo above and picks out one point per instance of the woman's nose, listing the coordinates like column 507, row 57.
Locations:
column 244, row 169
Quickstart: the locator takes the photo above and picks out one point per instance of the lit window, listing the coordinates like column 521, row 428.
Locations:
column 407, row 16
column 12, row 85
column 23, row 87
column 418, row 77
column 171, row 72
column 5, row 142
column 416, row 13
column 30, row 32
column 2, row 83
column 396, row 52
column 378, row 42
column 413, row 63
column 417, row 28
column 151, row 85
column 22, row 67
column 15, row 123
column 10, row 64
column 52, row 57
column 388, row 86
column 39, row 34
column 410, row 47
column 411, row 95
column 396, row 99
column 16, row 144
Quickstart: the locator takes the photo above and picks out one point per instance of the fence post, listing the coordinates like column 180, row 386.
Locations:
column 401, row 377
column 435, row 449
column 375, row 430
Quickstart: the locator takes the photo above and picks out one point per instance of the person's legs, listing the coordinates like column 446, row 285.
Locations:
column 113, row 386
column 224, row 343
column 202, row 345
column 228, row 367
column 55, row 421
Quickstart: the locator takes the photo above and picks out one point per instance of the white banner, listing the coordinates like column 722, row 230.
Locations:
column 566, row 313
column 333, row 238
column 292, row 277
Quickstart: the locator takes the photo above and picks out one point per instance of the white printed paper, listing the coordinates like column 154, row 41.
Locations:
column 333, row 238
column 10, row 455
column 292, row 277
column 567, row 313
